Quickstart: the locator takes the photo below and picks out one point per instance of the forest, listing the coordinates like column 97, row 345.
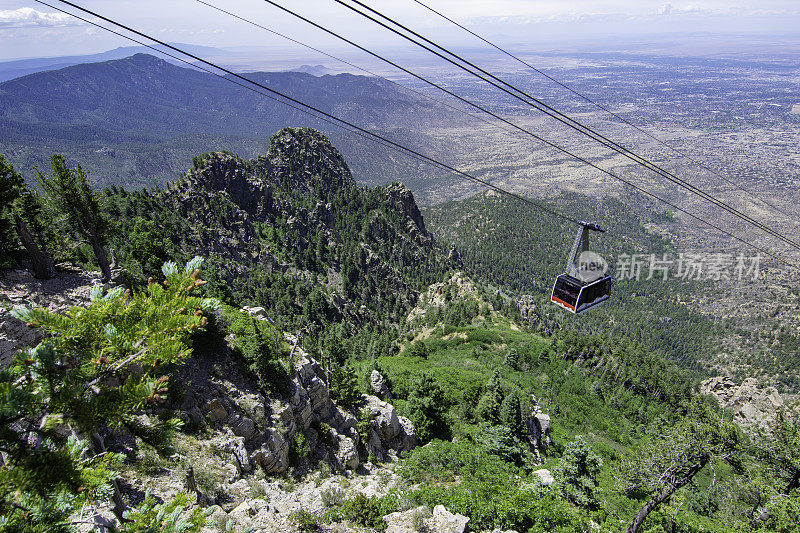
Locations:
column 432, row 300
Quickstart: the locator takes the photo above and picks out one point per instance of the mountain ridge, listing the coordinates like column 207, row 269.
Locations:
column 137, row 121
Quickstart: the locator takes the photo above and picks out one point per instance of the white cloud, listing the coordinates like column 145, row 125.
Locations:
column 26, row 17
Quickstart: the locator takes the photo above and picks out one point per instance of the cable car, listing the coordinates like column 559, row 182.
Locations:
column 586, row 283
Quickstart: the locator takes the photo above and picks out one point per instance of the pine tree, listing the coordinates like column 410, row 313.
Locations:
column 21, row 218
column 68, row 192
column 511, row 414
column 512, row 359
column 99, row 368
column 426, row 409
column 489, row 405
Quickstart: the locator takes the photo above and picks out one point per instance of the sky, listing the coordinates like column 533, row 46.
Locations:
column 29, row 29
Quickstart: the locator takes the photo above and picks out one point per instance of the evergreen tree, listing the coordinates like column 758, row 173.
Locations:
column 576, row 473
column 11, row 185
column 149, row 248
column 21, row 218
column 68, row 192
column 489, row 405
column 512, row 359
column 99, row 368
column 511, row 414
column 427, row 408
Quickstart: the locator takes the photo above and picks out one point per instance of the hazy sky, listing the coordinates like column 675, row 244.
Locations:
column 29, row 29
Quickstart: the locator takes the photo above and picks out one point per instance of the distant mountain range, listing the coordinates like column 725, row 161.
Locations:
column 136, row 121
column 22, row 67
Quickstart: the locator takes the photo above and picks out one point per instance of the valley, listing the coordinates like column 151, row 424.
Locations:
column 219, row 314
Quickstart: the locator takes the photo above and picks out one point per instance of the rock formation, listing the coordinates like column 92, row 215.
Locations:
column 752, row 406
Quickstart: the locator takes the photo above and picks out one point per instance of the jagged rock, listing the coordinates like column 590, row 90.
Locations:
column 384, row 418
column 545, row 476
column 379, row 386
column 538, row 426
column 215, row 410
column 235, row 446
column 274, row 458
column 404, row 199
column 304, row 159
column 443, row 521
column 389, row 433
column 245, row 428
column 222, row 171
column 346, row 453
column 752, row 406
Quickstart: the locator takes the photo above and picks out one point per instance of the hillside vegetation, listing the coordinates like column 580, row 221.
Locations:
column 333, row 331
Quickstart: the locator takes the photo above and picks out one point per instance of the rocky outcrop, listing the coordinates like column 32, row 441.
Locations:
column 538, row 426
column 403, row 199
column 422, row 518
column 254, row 430
column 230, row 204
column 304, row 159
column 389, row 434
column 258, row 431
column 458, row 287
column 379, row 386
column 752, row 406
column 69, row 288
column 230, row 174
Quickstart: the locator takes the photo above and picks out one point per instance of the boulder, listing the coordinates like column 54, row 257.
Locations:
column 384, row 418
column 215, row 410
column 346, row 453
column 244, row 428
column 389, row 433
column 443, row 521
column 406, row 521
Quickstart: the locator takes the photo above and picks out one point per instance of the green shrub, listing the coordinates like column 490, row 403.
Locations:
column 299, row 448
column 332, row 497
column 167, row 517
column 417, row 349
column 486, row 491
column 364, row 424
column 304, row 520
column 361, row 510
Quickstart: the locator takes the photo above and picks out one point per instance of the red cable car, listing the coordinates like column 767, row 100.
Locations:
column 586, row 283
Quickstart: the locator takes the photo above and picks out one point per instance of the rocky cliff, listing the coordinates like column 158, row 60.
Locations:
column 298, row 212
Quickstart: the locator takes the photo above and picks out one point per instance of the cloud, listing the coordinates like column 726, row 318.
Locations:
column 26, row 17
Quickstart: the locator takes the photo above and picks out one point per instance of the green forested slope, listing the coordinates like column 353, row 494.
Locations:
column 521, row 249
column 358, row 273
